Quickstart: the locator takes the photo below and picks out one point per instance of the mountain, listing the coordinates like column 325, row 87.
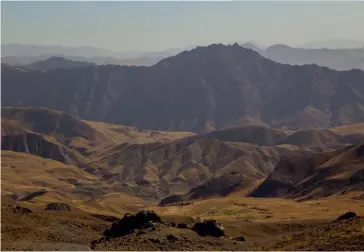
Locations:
column 334, row 44
column 339, row 59
column 199, row 90
column 18, row 54
column 314, row 175
column 54, row 63
column 99, row 60
column 253, row 47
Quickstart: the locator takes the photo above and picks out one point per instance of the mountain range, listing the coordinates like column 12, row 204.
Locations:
column 339, row 58
column 199, row 90
column 19, row 55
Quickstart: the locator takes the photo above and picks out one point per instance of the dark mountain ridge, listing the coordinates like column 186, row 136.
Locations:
column 199, row 90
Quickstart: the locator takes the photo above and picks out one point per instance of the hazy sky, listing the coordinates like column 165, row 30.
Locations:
column 152, row 26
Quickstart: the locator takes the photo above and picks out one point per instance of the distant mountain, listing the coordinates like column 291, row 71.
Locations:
column 254, row 48
column 27, row 60
column 16, row 53
column 38, row 50
column 339, row 59
column 56, row 63
column 199, row 90
column 334, row 44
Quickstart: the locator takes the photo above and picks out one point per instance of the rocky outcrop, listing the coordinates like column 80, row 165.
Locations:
column 209, row 227
column 129, row 223
column 347, row 216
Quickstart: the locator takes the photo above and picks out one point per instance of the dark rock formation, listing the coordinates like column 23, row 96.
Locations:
column 240, row 238
column 346, row 216
column 58, row 206
column 130, row 223
column 182, row 225
column 209, row 227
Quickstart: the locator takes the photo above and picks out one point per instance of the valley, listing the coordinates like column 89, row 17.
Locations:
column 182, row 126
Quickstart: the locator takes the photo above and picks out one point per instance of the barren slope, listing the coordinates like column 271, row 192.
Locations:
column 316, row 174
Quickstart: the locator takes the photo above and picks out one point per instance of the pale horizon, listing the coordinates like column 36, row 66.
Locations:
column 158, row 26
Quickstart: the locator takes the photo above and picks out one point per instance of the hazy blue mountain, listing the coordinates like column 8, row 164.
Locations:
column 338, row 59
column 334, row 44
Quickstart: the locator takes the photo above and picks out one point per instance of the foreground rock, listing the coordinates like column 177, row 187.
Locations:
column 209, row 227
column 346, row 216
column 130, row 223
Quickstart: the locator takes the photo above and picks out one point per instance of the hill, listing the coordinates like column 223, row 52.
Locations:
column 313, row 138
column 42, row 146
column 155, row 164
column 313, row 175
column 53, row 123
column 107, row 170
column 9, row 127
column 254, row 134
column 222, row 84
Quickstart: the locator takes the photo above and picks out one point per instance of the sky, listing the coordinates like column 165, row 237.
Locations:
column 151, row 26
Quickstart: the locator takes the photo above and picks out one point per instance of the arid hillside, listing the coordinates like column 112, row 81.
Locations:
column 316, row 175
column 65, row 181
column 154, row 165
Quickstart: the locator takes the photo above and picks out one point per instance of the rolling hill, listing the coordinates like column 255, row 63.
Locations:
column 221, row 86
column 155, row 164
column 64, row 181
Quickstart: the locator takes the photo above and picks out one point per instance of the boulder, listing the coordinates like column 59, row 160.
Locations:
column 129, row 223
column 346, row 216
column 209, row 227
